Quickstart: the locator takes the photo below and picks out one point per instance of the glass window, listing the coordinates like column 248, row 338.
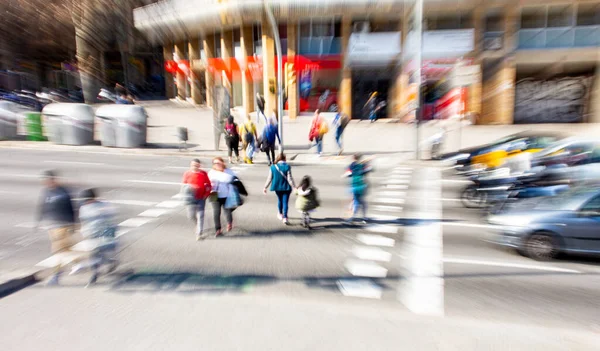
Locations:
column 305, row 30
column 560, row 16
column 494, row 23
column 217, row 44
column 592, row 206
column 588, row 14
column 441, row 23
column 533, row 17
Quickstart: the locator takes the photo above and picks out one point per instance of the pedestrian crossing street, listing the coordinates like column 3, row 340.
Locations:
column 372, row 257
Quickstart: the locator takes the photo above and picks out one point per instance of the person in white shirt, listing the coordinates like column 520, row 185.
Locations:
column 221, row 179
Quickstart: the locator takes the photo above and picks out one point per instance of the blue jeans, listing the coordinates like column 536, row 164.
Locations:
column 338, row 137
column 196, row 214
column 319, row 142
column 250, row 150
column 373, row 116
column 358, row 202
column 283, row 198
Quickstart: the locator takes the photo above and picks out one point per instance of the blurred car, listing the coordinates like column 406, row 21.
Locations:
column 493, row 154
column 543, row 228
column 325, row 101
column 571, row 151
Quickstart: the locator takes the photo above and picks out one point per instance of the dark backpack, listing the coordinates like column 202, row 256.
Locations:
column 248, row 135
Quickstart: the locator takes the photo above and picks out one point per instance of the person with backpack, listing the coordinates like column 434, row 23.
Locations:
column 249, row 138
column 307, row 200
column 269, row 137
column 357, row 172
column 318, row 129
column 282, row 183
column 232, row 139
column 340, row 122
column 196, row 188
column 222, row 179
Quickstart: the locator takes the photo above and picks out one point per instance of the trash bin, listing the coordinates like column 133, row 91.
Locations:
column 9, row 117
column 69, row 124
column 33, row 125
column 129, row 123
column 108, row 129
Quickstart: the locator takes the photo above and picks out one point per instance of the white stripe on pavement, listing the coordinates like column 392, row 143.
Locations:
column 76, row 163
column 385, row 229
column 170, row 204
column 154, row 212
column 131, row 202
column 360, row 268
column 123, row 231
column 371, row 253
column 135, row 222
column 392, row 193
column 178, row 167
column 152, row 182
column 397, row 181
column 376, row 240
column 31, row 226
column 364, row 288
column 384, row 217
column 459, row 181
column 508, row 265
column 396, row 186
column 388, row 200
column 384, row 208
column 469, row 225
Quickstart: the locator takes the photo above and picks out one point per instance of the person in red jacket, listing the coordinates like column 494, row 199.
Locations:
column 196, row 189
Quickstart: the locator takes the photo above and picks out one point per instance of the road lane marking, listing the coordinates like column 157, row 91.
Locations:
column 400, row 168
column 170, row 204
column 31, row 226
column 76, row 163
column 39, row 176
column 392, row 193
column 132, row 202
column 178, row 167
column 9, row 192
column 469, row 225
column 389, row 200
column 152, row 182
column 370, row 253
column 154, row 212
column 384, row 208
column 458, row 181
column 360, row 268
column 122, row 231
column 385, row 217
column 396, row 181
column 385, row 229
column 135, row 222
column 376, row 240
column 508, row 265
column 364, row 288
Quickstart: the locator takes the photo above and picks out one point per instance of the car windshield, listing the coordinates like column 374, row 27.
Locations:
column 568, row 201
column 552, row 148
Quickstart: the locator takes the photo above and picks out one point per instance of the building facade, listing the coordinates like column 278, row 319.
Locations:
column 499, row 62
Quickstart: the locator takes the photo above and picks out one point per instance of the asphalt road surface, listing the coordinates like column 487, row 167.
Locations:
column 420, row 254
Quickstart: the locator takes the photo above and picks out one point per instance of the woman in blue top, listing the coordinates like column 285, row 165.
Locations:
column 282, row 183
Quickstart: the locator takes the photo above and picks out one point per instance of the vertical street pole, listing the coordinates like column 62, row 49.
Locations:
column 275, row 31
column 418, row 29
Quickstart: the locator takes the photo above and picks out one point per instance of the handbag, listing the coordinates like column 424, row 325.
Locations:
column 233, row 200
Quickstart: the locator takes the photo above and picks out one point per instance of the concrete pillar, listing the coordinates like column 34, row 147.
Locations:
column 180, row 77
column 511, row 22
column 169, row 84
column 345, row 91
column 227, row 54
column 268, row 56
column 194, row 52
column 594, row 114
column 498, row 98
column 209, row 51
column 246, row 44
column 292, row 78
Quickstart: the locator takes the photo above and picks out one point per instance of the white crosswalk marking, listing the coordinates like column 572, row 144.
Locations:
column 397, row 181
column 364, row 288
column 131, row 202
column 170, row 204
column 385, row 229
column 135, row 222
column 371, row 253
column 396, row 186
column 384, row 208
column 381, row 217
column 152, row 182
column 389, row 200
column 154, row 212
column 376, row 240
column 365, row 269
column 392, row 193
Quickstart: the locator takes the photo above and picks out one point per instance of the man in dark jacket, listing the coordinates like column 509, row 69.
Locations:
column 56, row 208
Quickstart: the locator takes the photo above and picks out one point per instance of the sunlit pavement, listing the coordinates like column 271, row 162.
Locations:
column 386, row 281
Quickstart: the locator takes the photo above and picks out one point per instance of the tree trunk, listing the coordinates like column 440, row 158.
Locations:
column 89, row 64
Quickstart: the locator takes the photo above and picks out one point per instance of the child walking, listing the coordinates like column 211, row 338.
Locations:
column 307, row 200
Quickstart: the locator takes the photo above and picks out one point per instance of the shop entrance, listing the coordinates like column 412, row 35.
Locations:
column 364, row 82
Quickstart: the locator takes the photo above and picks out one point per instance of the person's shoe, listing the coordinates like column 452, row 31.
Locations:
column 285, row 221
column 92, row 281
column 279, row 216
column 218, row 233
column 54, row 280
column 199, row 237
column 229, row 227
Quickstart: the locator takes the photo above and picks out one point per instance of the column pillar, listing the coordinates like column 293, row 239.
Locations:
column 209, row 51
column 268, row 56
column 474, row 91
column 345, row 91
column 180, row 77
column 194, row 52
column 595, row 95
column 169, row 84
column 499, row 95
column 292, row 78
column 227, row 54
column 246, row 44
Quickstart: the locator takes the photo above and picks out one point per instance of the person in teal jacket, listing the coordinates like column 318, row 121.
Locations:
column 357, row 172
column 282, row 183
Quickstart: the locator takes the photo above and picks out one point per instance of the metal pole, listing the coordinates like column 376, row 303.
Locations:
column 418, row 23
column 275, row 31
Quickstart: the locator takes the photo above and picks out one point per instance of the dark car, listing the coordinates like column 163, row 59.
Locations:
column 569, row 152
column 543, row 228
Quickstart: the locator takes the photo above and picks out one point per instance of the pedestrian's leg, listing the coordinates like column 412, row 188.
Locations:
column 216, row 205
column 319, row 145
column 363, row 204
column 200, row 218
column 228, row 217
column 229, row 149
column 285, row 198
column 279, row 203
column 191, row 212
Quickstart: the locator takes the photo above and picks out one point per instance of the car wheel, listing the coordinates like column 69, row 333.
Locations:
column 541, row 246
column 472, row 198
column 333, row 108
